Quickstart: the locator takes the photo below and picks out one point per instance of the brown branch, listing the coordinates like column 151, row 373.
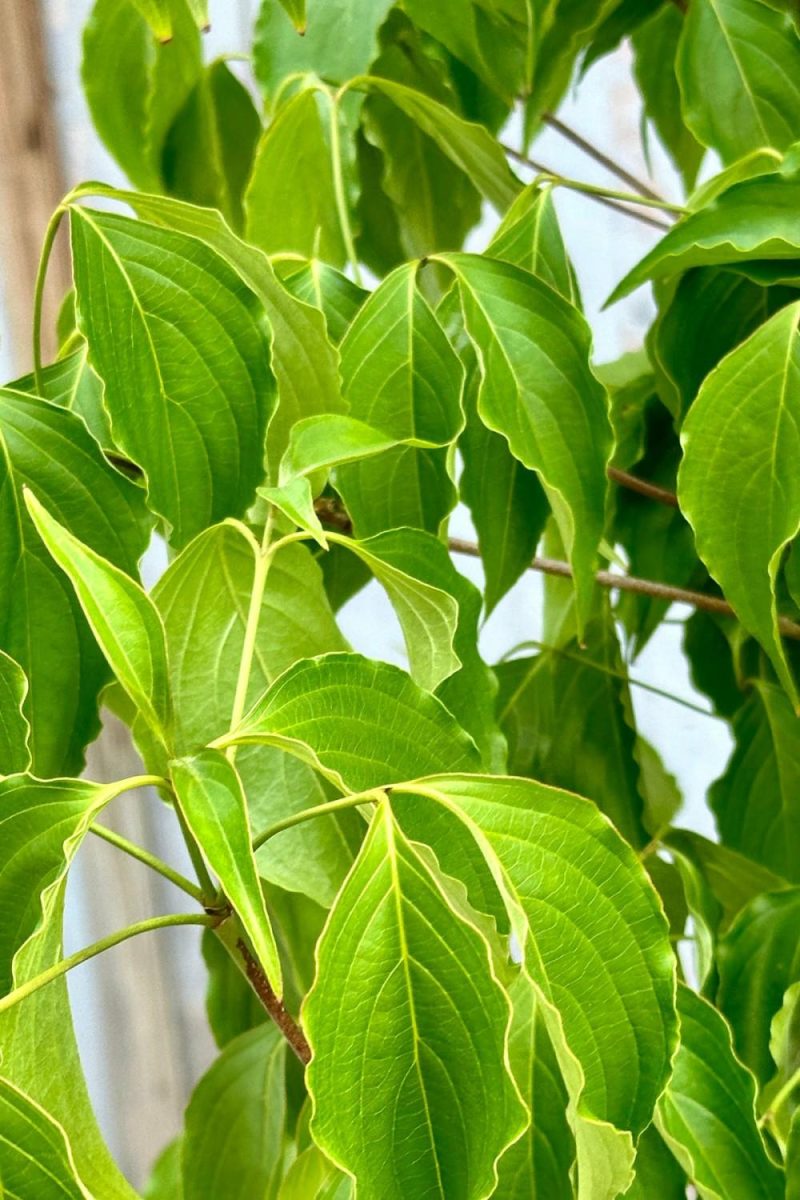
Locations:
column 275, row 1007
column 643, row 487
column 645, row 218
column 610, row 165
column 642, row 587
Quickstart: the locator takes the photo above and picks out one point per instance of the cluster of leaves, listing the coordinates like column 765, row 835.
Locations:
column 457, row 891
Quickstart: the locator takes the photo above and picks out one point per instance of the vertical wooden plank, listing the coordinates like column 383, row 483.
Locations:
column 31, row 178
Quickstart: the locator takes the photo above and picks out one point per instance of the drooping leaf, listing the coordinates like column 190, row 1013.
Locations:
column 15, row 755
column 190, row 318
column 732, row 878
column 203, row 599
column 122, row 617
column 758, row 959
column 571, row 881
column 711, row 662
column 208, row 152
column 213, row 804
column 492, row 45
column 738, row 486
column 293, row 159
column 363, row 723
column 400, row 374
column 752, row 53
column 622, row 22
column 562, row 29
column 401, row 963
column 35, row 1155
column 41, row 623
column 234, row 1136
column 331, row 440
column 755, row 801
column 707, row 1113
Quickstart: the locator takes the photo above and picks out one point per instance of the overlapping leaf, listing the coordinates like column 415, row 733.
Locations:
column 35, row 1156
column 15, row 755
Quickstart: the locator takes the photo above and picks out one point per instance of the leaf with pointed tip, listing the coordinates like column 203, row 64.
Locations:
column 71, row 383
column 15, row 754
column 784, row 1046
column 732, row 878
column 757, row 800
column 401, row 375
column 657, row 1171
column 201, row 162
column 190, row 318
column 402, row 964
column 738, row 484
column 492, row 45
column 537, row 389
column 305, row 363
column 295, row 501
column 314, row 1177
column 570, row 881
column 213, row 804
column 35, row 1154
column 365, row 724
column 758, row 959
column 122, row 616
column 293, row 159
column 319, row 284
column 329, row 441
column 234, row 1135
column 529, row 236
column 296, row 11
column 754, row 219
column 203, row 598
column 707, row 1113
column 42, row 626
column 752, row 53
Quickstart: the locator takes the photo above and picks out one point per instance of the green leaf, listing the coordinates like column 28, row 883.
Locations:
column 71, row 383
column 165, row 1181
column 190, row 318
column 42, row 626
column 212, row 802
column 122, row 617
column 707, row 1113
column 481, row 36
column 365, row 724
column 295, row 501
column 784, row 1046
column 758, row 959
column 234, row 1138
column 537, row 389
column 305, row 363
column 313, row 1177
column 402, row 964
column 340, row 41
column 208, row 151
column 732, row 878
column 793, row 1161
column 711, row 662
column 296, row 11
column 738, row 486
column 754, row 219
column 158, row 16
column 293, row 159
column 330, row 440
column 135, row 87
column 35, row 1155
column 570, row 881
column 317, row 283
column 15, row 731
column 400, row 375
column 655, row 45
column 529, row 236
column 752, row 53
column 756, row 800
column 657, row 1172
column 469, row 145
column 203, row 599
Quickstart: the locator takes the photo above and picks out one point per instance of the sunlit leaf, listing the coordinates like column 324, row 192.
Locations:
column 15, row 752
column 35, row 1156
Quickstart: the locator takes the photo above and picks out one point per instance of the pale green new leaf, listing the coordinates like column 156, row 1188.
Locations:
column 784, row 1045
column 305, row 363
column 364, row 724
column 43, row 627
column 537, row 389
column 752, row 53
column 757, row 800
column 158, row 16
column 738, row 485
column 295, row 501
column 35, row 1155
column 15, row 731
column 402, row 965
column 203, row 599
column 190, row 319
column 401, row 375
column 330, row 440
column 707, row 1113
column 293, row 159
column 314, row 1177
column 233, row 1142
column 122, row 616
column 758, row 960
column 212, row 802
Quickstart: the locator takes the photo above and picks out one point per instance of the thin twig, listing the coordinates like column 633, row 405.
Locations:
column 642, row 587
column 643, row 487
column 615, row 168
column 150, row 860
column 541, row 169
column 275, row 1007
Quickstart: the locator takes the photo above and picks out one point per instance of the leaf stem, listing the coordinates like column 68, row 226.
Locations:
column 261, row 571
column 592, row 189
column 615, row 168
column 38, row 295
column 780, row 1098
column 339, row 190
column 319, row 810
column 106, row 943
column 150, row 860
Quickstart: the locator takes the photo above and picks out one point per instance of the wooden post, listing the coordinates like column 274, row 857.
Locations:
column 31, row 178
